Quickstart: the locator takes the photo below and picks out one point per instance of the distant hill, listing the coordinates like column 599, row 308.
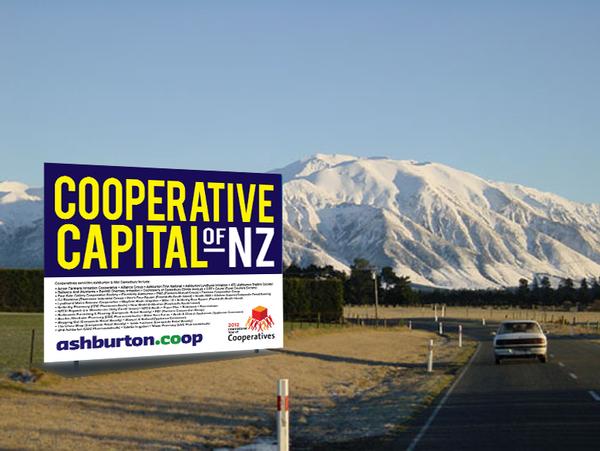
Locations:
column 441, row 226
column 21, row 226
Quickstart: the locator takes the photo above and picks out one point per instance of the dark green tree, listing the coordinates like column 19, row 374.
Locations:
column 523, row 292
column 293, row 271
column 595, row 290
column 314, row 272
column 359, row 287
column 566, row 291
column 396, row 290
column 546, row 291
column 584, row 294
column 536, row 292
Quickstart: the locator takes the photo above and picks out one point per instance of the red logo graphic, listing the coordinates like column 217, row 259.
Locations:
column 260, row 319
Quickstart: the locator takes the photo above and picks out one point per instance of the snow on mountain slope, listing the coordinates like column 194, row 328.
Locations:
column 440, row 225
column 11, row 192
column 21, row 226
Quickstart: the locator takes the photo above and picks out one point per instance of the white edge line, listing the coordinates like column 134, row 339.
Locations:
column 421, row 433
column 594, row 395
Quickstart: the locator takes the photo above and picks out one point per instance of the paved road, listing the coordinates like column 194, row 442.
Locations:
column 518, row 405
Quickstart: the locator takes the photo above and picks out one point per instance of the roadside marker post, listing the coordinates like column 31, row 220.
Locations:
column 430, row 357
column 31, row 348
column 435, row 315
column 460, row 335
column 483, row 321
column 283, row 415
column 409, row 325
column 374, row 275
column 443, row 310
column 441, row 328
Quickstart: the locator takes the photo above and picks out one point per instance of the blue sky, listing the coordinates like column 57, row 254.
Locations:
column 507, row 90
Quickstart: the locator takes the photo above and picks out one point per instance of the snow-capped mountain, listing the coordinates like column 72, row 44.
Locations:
column 442, row 226
column 21, row 226
column 439, row 225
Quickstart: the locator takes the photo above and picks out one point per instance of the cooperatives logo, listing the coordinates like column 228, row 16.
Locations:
column 127, row 341
column 258, row 322
column 260, row 319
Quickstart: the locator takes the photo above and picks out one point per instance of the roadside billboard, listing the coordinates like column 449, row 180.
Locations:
column 150, row 262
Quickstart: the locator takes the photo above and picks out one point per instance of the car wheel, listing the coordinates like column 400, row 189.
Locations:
column 542, row 358
column 497, row 361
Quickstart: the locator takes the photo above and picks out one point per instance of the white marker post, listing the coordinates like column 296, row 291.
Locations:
column 283, row 415
column 409, row 325
column 374, row 275
column 460, row 335
column 483, row 321
column 443, row 310
column 435, row 312
column 430, row 357
column 441, row 328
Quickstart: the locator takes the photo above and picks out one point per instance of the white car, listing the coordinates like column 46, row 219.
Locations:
column 523, row 338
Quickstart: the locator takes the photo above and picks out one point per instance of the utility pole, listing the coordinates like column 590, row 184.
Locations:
column 374, row 275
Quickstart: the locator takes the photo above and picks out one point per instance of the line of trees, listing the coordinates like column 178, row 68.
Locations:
column 359, row 286
column 542, row 293
column 21, row 290
column 313, row 300
column 526, row 295
column 359, row 289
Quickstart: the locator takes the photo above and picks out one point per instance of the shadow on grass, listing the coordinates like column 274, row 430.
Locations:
column 206, row 412
column 211, row 421
column 121, row 441
column 92, row 367
column 357, row 361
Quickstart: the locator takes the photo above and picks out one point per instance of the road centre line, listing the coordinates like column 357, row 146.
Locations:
column 573, row 376
column 421, row 433
column 562, row 365
column 594, row 395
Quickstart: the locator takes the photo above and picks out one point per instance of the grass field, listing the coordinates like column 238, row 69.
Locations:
column 489, row 313
column 15, row 328
column 345, row 382
column 15, row 340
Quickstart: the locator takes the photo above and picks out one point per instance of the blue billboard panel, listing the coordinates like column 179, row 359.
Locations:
column 146, row 261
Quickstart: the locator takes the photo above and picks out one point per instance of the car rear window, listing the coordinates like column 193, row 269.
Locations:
column 519, row 328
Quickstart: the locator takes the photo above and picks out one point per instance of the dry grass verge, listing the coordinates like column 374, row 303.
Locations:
column 344, row 383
